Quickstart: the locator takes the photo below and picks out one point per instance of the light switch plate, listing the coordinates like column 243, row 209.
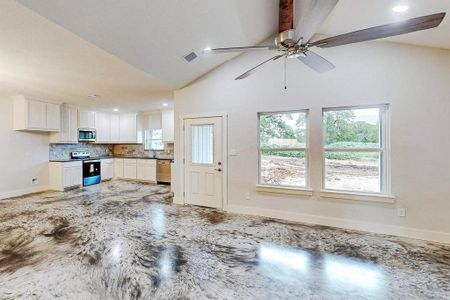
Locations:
column 401, row 212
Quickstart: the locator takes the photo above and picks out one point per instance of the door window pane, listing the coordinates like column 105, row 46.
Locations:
column 353, row 171
column 352, row 128
column 202, row 144
column 285, row 168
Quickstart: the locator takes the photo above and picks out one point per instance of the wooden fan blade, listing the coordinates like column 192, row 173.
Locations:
column 379, row 32
column 316, row 62
column 238, row 49
column 253, row 70
column 309, row 15
column 286, row 18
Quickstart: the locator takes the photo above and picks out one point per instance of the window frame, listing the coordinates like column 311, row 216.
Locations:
column 264, row 186
column 148, row 133
column 383, row 150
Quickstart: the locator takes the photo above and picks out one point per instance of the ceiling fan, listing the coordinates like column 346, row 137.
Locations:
column 298, row 23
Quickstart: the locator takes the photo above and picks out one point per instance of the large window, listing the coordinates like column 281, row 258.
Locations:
column 153, row 140
column 283, row 149
column 355, row 143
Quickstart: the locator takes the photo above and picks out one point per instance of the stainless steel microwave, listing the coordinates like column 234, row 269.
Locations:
column 87, row 135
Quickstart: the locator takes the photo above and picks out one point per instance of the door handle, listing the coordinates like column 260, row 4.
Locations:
column 218, row 170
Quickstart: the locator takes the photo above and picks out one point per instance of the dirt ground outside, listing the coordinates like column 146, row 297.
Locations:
column 340, row 174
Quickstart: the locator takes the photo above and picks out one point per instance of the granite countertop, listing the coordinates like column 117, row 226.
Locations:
column 107, row 157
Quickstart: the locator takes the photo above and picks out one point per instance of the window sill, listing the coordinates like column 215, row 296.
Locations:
column 368, row 197
column 283, row 190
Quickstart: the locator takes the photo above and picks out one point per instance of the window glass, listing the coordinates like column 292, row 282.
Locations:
column 283, row 130
column 153, row 140
column 354, row 150
column 202, row 144
column 352, row 171
column 352, row 128
column 282, row 149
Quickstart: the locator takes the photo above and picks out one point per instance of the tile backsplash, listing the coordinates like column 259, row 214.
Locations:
column 138, row 151
column 62, row 151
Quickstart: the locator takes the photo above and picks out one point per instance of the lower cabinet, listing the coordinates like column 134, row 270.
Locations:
column 146, row 169
column 137, row 169
column 118, row 167
column 64, row 175
column 130, row 168
column 107, row 169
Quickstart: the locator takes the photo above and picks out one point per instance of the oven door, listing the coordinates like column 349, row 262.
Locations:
column 87, row 135
column 91, row 172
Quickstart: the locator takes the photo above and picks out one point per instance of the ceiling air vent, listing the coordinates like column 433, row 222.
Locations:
column 190, row 57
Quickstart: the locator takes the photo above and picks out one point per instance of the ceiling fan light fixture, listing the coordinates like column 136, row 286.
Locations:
column 400, row 8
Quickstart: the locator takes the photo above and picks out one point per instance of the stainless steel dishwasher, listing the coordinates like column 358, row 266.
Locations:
column 163, row 170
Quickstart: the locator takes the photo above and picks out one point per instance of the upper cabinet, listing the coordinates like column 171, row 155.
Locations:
column 168, row 123
column 118, row 128
column 69, row 126
column 86, row 119
column 36, row 115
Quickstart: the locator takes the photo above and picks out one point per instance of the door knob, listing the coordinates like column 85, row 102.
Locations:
column 218, row 170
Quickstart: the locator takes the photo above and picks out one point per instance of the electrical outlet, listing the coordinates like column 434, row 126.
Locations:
column 34, row 181
column 247, row 196
column 401, row 212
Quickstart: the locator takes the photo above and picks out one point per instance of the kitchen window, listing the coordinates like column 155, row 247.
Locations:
column 356, row 149
column 153, row 140
column 283, row 149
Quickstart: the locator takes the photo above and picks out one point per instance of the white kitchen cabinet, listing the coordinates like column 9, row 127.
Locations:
column 103, row 122
column 35, row 115
column 68, row 133
column 118, row 167
column 168, row 124
column 128, row 128
column 146, row 169
column 64, row 175
column 107, row 169
column 86, row 119
column 115, row 128
column 130, row 168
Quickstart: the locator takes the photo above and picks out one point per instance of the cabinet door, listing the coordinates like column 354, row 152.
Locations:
column 53, row 116
column 128, row 128
column 130, row 169
column 168, row 123
column 64, row 133
column 118, row 168
column 107, row 169
column 73, row 125
column 146, row 170
column 72, row 176
column 115, row 128
column 37, row 115
column 86, row 119
column 103, row 122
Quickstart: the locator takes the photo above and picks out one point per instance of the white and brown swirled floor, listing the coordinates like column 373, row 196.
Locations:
column 124, row 240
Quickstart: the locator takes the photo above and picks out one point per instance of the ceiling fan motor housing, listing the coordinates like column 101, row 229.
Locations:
column 286, row 38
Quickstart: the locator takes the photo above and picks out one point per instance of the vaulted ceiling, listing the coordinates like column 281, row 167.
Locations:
column 132, row 51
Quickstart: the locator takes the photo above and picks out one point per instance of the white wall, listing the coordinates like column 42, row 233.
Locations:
column 416, row 83
column 23, row 156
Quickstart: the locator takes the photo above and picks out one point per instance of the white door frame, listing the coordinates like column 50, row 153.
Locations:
column 224, row 117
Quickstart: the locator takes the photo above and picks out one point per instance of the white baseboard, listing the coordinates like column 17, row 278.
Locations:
column 22, row 192
column 427, row 235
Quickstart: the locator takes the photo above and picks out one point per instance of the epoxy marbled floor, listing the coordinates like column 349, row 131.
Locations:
column 124, row 240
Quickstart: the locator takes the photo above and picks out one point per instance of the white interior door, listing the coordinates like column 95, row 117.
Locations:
column 203, row 167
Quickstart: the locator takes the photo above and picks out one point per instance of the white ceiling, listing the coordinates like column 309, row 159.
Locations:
column 351, row 15
column 130, row 52
column 155, row 35
column 41, row 59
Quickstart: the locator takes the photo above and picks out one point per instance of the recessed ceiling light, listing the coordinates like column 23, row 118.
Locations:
column 400, row 8
column 165, row 104
column 207, row 50
column 93, row 96
column 116, row 109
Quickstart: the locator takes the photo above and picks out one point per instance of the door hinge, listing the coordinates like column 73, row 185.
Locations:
column 184, row 194
column 184, row 161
